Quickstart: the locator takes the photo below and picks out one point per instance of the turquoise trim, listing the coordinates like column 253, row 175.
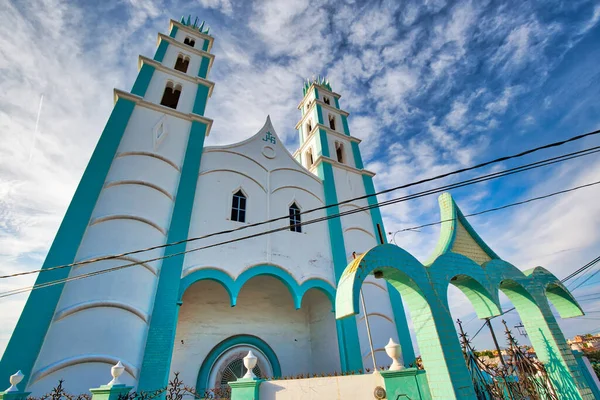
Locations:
column 345, row 124
column 586, row 373
column 358, row 162
column 322, row 149
column 319, row 114
column 203, row 72
column 234, row 287
column 161, row 332
column 173, row 32
column 408, row 351
column 348, row 342
column 205, row 45
column 337, row 105
column 28, row 336
column 143, row 80
column 201, row 99
column 316, row 93
column 161, row 50
column 204, row 373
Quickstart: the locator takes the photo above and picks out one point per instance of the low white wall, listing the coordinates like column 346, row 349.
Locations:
column 336, row 387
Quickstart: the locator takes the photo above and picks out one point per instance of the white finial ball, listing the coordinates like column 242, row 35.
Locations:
column 250, row 363
column 15, row 379
column 116, row 371
column 392, row 349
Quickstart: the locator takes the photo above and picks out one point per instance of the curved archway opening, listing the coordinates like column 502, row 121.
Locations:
column 544, row 335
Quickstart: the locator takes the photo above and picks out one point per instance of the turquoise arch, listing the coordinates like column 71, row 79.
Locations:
column 233, row 287
column 425, row 290
column 213, row 355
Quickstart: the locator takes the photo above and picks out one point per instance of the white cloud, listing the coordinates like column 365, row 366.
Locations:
column 222, row 5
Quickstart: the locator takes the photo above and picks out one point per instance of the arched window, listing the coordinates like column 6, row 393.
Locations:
column 295, row 218
column 189, row 41
column 238, row 207
column 182, row 63
column 309, row 158
column 339, row 151
column 308, row 128
column 171, row 95
column 235, row 370
column 326, row 100
column 331, row 121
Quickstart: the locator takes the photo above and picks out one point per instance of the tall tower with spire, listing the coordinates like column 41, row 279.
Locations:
column 136, row 193
column 328, row 150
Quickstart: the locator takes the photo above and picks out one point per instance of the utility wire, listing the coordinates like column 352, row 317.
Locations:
column 77, row 277
column 483, row 178
column 580, row 270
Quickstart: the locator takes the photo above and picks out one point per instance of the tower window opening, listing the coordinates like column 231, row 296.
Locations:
column 309, row 158
column 331, row 121
column 326, row 100
column 189, row 41
column 308, row 128
column 295, row 221
column 238, row 207
column 182, row 63
column 171, row 95
column 339, row 151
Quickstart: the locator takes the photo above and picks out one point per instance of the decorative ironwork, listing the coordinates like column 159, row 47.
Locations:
column 59, row 393
column 176, row 390
column 533, row 380
column 520, row 376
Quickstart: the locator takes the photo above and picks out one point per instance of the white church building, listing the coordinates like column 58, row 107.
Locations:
column 195, row 302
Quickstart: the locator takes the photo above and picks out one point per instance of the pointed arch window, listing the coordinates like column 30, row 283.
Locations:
column 326, row 100
column 171, row 95
column 189, row 41
column 331, row 121
column 339, row 152
column 238, row 207
column 309, row 127
column 309, row 158
column 295, row 221
column 182, row 63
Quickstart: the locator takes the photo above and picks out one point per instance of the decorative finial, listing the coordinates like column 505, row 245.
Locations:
column 116, row 371
column 15, row 379
column 392, row 349
column 250, row 363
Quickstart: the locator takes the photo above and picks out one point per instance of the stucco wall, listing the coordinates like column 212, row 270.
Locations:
column 338, row 387
column 265, row 309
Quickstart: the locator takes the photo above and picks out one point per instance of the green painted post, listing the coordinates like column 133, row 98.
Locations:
column 408, row 383
column 110, row 392
column 245, row 389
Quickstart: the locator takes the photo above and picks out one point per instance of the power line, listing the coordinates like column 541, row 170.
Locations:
column 482, row 178
column 580, row 270
column 502, row 207
column 59, row 281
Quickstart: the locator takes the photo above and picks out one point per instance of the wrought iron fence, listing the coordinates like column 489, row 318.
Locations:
column 518, row 377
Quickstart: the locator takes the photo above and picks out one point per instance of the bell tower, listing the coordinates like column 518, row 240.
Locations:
column 328, row 150
column 136, row 193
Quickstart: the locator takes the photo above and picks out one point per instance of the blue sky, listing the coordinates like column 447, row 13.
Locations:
column 431, row 86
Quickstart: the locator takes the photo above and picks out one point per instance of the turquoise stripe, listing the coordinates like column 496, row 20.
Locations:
column 143, row 80
column 203, row 72
column 205, row 45
column 347, row 331
column 337, row 105
column 408, row 352
column 345, row 124
column 319, row 114
column 322, row 145
column 204, row 373
column 161, row 333
column 316, row 93
column 173, row 32
column 28, row 336
column 358, row 162
column 201, row 99
column 161, row 50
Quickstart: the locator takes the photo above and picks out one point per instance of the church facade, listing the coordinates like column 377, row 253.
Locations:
column 194, row 302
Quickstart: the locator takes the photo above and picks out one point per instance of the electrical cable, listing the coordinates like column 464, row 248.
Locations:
column 479, row 179
column 77, row 277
